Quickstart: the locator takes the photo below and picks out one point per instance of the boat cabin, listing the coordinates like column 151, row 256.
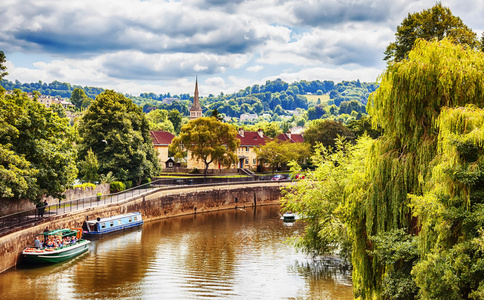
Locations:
column 102, row 226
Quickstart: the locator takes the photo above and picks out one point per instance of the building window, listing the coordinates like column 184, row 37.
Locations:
column 254, row 161
column 246, row 161
column 246, row 149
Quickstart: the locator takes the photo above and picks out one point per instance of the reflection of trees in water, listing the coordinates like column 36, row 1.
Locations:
column 327, row 278
column 116, row 262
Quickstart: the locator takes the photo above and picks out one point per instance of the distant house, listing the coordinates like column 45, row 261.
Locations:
column 161, row 142
column 169, row 101
column 290, row 137
column 249, row 141
column 248, row 117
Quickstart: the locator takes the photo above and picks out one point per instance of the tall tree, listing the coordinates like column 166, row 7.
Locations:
column 209, row 140
column 2, row 66
column 37, row 158
column 437, row 22
column 408, row 106
column 176, row 119
column 118, row 133
column 79, row 98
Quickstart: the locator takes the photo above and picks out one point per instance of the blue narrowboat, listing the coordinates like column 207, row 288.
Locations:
column 102, row 226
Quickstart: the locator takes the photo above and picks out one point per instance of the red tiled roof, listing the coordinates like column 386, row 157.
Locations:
column 295, row 138
column 252, row 138
column 161, row 137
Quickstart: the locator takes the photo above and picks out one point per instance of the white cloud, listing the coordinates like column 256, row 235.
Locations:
column 131, row 45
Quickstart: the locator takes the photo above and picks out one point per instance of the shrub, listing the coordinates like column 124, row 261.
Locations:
column 117, row 186
column 85, row 185
column 194, row 171
column 128, row 184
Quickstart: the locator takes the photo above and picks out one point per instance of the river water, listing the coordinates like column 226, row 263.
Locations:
column 235, row 254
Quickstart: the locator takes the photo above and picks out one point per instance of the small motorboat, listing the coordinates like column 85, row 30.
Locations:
column 102, row 226
column 46, row 253
column 288, row 217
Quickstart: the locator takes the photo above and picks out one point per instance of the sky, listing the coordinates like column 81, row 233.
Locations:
column 136, row 46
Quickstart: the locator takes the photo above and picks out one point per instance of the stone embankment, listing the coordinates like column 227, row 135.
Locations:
column 157, row 205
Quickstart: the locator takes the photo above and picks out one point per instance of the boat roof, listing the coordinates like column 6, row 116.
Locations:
column 64, row 231
column 114, row 217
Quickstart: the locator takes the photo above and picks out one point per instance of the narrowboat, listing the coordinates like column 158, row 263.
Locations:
column 55, row 246
column 102, row 226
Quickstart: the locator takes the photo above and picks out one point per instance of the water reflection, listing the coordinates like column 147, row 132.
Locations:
column 236, row 254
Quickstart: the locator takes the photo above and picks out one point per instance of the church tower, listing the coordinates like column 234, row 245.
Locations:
column 195, row 109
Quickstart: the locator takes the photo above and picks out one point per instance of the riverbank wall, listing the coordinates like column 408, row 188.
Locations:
column 153, row 206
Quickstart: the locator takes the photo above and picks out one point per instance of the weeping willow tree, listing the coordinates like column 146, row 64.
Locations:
column 451, row 210
column 408, row 106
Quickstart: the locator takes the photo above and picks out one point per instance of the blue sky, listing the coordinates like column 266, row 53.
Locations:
column 158, row 46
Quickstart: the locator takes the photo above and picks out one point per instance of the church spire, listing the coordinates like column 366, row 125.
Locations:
column 195, row 109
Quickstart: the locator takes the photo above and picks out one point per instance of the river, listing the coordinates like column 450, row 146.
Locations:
column 234, row 254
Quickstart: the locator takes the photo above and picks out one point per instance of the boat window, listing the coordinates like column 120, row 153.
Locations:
column 119, row 222
column 92, row 227
column 130, row 220
column 135, row 218
column 103, row 225
column 111, row 224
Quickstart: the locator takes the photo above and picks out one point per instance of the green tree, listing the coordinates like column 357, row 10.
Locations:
column 79, row 98
column 326, row 132
column 434, row 23
column 409, row 107
column 208, row 140
column 59, row 110
column 158, row 120
column 118, row 133
column 321, row 197
column 36, row 153
column 276, row 153
column 89, row 168
column 176, row 119
column 2, row 66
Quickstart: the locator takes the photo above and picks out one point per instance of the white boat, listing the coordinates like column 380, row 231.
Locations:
column 288, row 216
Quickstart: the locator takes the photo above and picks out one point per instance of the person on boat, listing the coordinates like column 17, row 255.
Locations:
column 73, row 240
column 37, row 243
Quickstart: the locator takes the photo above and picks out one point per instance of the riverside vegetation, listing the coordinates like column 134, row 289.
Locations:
column 407, row 209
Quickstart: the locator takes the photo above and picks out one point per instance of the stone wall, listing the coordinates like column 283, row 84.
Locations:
column 8, row 206
column 162, row 204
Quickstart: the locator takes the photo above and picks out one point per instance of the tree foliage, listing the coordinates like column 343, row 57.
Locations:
column 208, row 140
column 413, row 203
column 276, row 153
column 326, row 132
column 2, row 65
column 80, row 99
column 36, row 154
column 118, row 133
column 433, row 23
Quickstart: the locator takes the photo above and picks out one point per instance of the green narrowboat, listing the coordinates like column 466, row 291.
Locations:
column 46, row 250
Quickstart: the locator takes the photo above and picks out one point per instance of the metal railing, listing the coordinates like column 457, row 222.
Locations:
column 9, row 222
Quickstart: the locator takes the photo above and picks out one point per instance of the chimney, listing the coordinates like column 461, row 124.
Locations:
column 260, row 132
column 241, row 131
column 288, row 134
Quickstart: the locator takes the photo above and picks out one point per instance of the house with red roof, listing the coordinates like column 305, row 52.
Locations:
column 247, row 158
column 161, row 142
column 249, row 141
column 290, row 137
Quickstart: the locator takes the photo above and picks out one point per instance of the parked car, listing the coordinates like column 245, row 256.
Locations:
column 299, row 176
column 279, row 177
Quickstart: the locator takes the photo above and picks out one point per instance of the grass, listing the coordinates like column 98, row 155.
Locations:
column 314, row 98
